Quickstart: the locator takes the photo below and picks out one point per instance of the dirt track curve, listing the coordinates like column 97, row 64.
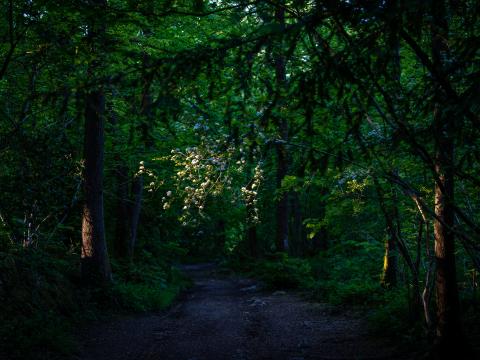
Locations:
column 231, row 318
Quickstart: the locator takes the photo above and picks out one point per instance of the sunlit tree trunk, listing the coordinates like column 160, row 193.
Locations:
column 449, row 337
column 95, row 263
column 390, row 208
column 389, row 275
column 448, row 314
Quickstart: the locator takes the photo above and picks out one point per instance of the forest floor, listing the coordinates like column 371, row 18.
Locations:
column 225, row 316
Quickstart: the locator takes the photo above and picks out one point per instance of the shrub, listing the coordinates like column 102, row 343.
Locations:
column 37, row 292
column 40, row 289
column 284, row 272
column 355, row 291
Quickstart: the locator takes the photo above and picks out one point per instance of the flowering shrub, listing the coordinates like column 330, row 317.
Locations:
column 210, row 170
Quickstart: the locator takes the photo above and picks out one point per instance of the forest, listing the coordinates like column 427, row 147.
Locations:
column 285, row 156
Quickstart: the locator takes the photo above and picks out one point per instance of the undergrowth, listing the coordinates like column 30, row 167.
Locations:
column 351, row 282
column 41, row 289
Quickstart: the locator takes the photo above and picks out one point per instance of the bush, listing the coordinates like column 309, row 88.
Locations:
column 146, row 286
column 141, row 297
column 40, row 289
column 391, row 319
column 354, row 281
column 352, row 292
column 284, row 272
column 37, row 291
column 347, row 280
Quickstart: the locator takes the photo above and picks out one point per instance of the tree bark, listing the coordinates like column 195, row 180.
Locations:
column 251, row 232
column 389, row 275
column 449, row 336
column 297, row 226
column 252, row 240
column 251, row 211
column 120, row 173
column 282, row 211
column 95, row 264
column 148, row 141
column 137, row 193
column 448, row 330
column 122, row 231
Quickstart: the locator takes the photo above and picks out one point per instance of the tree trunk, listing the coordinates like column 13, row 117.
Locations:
column 389, row 275
column 297, row 226
column 251, row 211
column 120, row 173
column 122, row 231
column 252, row 240
column 137, row 192
column 148, row 141
column 448, row 331
column 449, row 336
column 251, row 232
column 95, row 264
column 320, row 239
column 282, row 212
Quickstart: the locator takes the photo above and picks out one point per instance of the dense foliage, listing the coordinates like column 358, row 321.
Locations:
column 332, row 146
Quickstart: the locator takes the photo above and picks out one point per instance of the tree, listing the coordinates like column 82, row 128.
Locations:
column 449, row 336
column 283, row 206
column 95, row 262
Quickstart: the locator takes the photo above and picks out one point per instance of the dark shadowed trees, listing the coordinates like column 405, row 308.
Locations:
column 95, row 261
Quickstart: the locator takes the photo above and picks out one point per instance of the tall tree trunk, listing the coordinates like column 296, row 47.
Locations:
column 282, row 212
column 252, row 240
column 148, row 141
column 449, row 336
column 427, row 289
column 297, row 226
column 120, row 173
column 320, row 240
column 389, row 275
column 95, row 264
column 251, row 232
column 136, row 207
column 448, row 330
column 251, row 211
column 390, row 209
column 297, row 231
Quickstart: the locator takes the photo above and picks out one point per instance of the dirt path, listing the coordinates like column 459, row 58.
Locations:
column 231, row 318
